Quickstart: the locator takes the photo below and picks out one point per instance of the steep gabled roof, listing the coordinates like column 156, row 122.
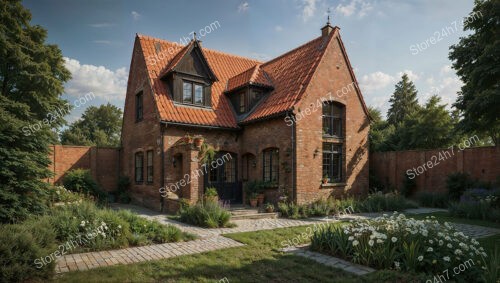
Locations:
column 253, row 76
column 287, row 75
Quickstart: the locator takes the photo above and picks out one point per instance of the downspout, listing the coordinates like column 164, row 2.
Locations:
column 162, row 130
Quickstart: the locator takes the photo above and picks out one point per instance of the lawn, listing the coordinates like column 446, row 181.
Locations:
column 259, row 261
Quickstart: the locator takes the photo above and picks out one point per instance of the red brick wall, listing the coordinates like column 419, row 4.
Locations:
column 390, row 167
column 331, row 77
column 103, row 163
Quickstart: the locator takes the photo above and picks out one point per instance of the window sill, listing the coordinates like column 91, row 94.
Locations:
column 333, row 185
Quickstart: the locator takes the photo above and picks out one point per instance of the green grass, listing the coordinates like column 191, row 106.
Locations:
column 259, row 261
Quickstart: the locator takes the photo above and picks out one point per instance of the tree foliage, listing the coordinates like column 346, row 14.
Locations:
column 477, row 61
column 32, row 75
column 100, row 126
column 403, row 101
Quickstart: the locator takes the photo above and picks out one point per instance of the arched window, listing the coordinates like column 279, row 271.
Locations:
column 333, row 117
column 271, row 165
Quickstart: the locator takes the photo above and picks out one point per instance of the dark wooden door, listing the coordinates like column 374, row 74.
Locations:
column 223, row 176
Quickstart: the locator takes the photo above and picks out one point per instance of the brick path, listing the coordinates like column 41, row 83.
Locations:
column 330, row 260
column 212, row 239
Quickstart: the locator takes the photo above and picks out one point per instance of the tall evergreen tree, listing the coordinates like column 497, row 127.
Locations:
column 477, row 61
column 99, row 126
column 403, row 101
column 380, row 132
column 32, row 75
column 430, row 127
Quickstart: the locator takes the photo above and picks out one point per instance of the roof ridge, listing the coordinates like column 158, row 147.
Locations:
column 292, row 50
column 206, row 49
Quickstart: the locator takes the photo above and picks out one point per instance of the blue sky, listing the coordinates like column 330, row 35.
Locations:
column 381, row 38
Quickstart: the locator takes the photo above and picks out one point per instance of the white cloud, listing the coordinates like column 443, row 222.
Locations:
column 135, row 15
column 360, row 8
column 278, row 28
column 243, row 7
column 445, row 87
column 102, row 25
column 445, row 70
column 375, row 81
column 308, row 9
column 104, row 83
column 411, row 75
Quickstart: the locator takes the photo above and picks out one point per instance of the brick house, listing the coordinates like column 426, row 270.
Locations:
column 292, row 120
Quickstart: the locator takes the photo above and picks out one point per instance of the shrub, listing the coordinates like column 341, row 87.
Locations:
column 21, row 247
column 122, row 192
column 206, row 214
column 430, row 199
column 397, row 242
column 409, row 186
column 474, row 210
column 385, row 202
column 457, row 183
column 81, row 181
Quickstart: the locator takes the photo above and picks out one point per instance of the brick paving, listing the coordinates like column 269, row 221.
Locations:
column 212, row 239
column 330, row 260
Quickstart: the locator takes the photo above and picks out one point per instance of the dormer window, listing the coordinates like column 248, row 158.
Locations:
column 192, row 93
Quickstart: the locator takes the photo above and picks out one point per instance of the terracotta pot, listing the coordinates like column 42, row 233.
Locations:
column 253, row 202
column 198, row 141
column 260, row 199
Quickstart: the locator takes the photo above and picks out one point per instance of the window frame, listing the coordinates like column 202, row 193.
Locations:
column 193, row 93
column 333, row 118
column 149, row 167
column 140, row 155
column 139, row 107
column 333, row 152
column 273, row 167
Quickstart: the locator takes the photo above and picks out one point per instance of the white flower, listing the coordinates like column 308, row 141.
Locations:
column 394, row 239
column 440, row 242
column 380, row 241
column 446, row 258
column 430, row 249
column 420, row 258
column 370, row 243
column 396, row 264
column 431, row 242
column 119, row 226
column 449, row 246
column 355, row 243
column 82, row 224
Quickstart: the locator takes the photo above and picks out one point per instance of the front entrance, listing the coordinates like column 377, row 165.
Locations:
column 224, row 178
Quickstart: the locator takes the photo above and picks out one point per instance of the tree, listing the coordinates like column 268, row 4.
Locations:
column 32, row 75
column 380, row 132
column 403, row 101
column 100, row 126
column 476, row 60
column 430, row 127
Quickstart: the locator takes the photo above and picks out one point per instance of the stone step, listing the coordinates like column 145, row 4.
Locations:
column 244, row 211
column 263, row 215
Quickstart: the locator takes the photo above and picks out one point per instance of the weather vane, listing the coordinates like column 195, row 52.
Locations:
column 328, row 18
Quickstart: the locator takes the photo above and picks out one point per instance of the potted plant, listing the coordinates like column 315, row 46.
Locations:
column 261, row 187
column 269, row 207
column 253, row 200
column 198, row 141
column 325, row 179
column 211, row 195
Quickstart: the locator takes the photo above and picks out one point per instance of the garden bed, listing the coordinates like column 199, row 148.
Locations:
column 399, row 243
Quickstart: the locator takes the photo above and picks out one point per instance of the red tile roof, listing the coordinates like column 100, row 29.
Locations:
column 254, row 76
column 289, row 75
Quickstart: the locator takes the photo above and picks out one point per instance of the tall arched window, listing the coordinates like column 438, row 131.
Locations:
column 333, row 117
column 271, row 165
column 333, row 142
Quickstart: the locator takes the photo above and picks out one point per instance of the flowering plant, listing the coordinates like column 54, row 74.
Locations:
column 397, row 242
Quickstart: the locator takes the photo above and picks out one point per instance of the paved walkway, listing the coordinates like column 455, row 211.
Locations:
column 90, row 260
column 330, row 260
column 212, row 239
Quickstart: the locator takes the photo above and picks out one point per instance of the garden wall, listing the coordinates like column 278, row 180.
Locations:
column 430, row 168
column 103, row 163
